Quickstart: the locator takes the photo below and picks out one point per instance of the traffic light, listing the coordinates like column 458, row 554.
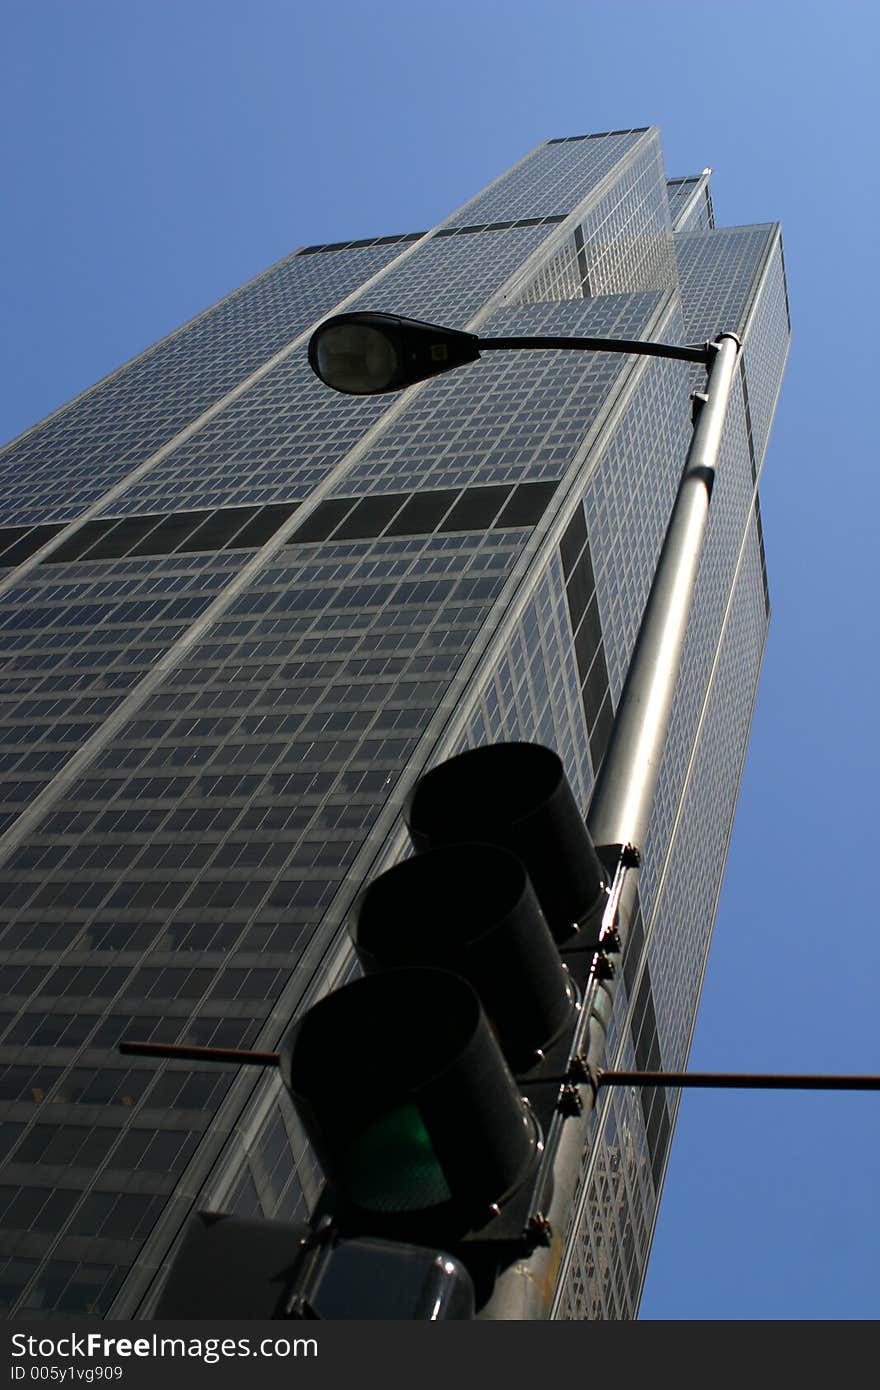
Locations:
column 434, row 1088
column 471, row 909
column 409, row 1104
column 515, row 795
column 412, row 1082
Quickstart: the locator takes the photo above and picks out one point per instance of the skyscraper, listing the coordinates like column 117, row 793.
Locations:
column 239, row 615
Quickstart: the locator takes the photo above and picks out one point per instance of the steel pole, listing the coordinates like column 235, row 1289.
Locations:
column 620, row 809
column 619, row 815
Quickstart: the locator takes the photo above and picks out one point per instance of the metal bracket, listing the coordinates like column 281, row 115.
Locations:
column 607, row 944
column 628, row 857
column 538, row 1231
column 299, row 1309
column 324, row 1233
column 579, row 1069
column 602, row 968
column 569, row 1102
column 312, row 1252
column 698, row 400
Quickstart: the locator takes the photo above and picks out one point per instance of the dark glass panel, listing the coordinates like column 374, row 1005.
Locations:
column 116, row 538
column 573, row 541
column 527, row 504
column 423, row 512
column 323, row 520
column 476, row 509
column 168, row 535
column 370, row 516
column 600, row 733
column 264, row 524
column 217, row 529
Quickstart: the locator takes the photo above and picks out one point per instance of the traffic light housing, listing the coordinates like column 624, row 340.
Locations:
column 515, row 795
column 412, row 1082
column 429, row 1087
column 471, row 909
column 409, row 1105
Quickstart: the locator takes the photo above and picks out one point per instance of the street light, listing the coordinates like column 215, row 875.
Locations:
column 366, row 354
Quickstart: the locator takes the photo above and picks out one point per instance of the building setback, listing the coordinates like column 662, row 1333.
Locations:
column 240, row 614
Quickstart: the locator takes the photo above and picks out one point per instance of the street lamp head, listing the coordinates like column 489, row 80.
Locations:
column 365, row 354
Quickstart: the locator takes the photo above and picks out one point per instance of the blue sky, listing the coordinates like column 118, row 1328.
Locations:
column 156, row 155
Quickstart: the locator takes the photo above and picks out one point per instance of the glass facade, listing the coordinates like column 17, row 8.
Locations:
column 239, row 615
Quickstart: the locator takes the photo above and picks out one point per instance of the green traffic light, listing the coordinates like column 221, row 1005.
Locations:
column 411, row 1109
column 392, row 1166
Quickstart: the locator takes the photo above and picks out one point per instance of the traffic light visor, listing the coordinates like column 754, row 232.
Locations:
column 471, row 909
column 515, row 795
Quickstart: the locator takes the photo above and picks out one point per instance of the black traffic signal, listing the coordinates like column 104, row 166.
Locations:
column 412, row 1082
column 405, row 1079
column 409, row 1104
column 515, row 795
column 471, row 909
